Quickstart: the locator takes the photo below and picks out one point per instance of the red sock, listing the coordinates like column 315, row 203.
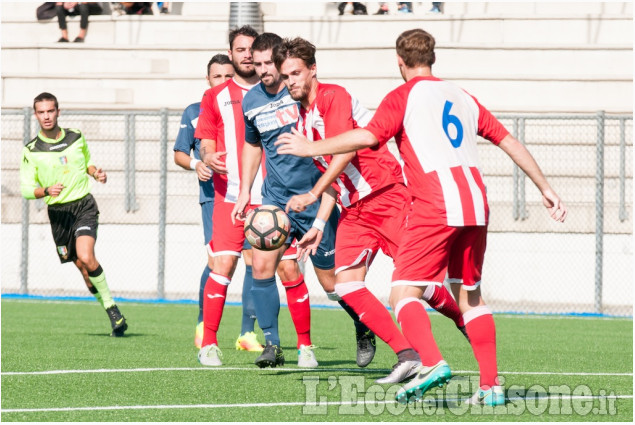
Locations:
column 415, row 325
column 372, row 313
column 440, row 299
column 213, row 304
column 300, row 309
column 480, row 327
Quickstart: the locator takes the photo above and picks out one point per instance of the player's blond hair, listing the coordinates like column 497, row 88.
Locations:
column 416, row 48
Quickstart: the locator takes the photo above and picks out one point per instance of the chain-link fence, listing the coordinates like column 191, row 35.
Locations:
column 150, row 239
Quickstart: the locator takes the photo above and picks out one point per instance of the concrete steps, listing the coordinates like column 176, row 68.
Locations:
column 498, row 93
column 128, row 76
column 515, row 58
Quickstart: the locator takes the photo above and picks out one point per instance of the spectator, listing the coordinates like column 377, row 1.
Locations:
column 137, row 8
column 436, row 7
column 83, row 9
column 402, row 7
column 358, row 8
column 163, row 7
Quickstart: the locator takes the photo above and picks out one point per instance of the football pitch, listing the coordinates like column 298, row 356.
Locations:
column 59, row 364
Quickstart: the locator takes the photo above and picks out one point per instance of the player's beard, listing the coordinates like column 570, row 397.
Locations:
column 243, row 73
column 303, row 93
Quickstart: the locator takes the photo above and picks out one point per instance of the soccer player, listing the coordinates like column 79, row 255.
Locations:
column 221, row 130
column 270, row 111
column 371, row 191
column 435, row 125
column 56, row 165
column 219, row 70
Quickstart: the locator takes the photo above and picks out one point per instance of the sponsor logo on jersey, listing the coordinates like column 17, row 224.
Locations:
column 231, row 102
column 62, row 252
column 63, row 160
column 268, row 121
column 58, row 147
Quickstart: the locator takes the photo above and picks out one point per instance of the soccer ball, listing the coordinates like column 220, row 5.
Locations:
column 267, row 227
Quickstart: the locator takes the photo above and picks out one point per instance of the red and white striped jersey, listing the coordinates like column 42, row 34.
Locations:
column 335, row 111
column 435, row 124
column 221, row 119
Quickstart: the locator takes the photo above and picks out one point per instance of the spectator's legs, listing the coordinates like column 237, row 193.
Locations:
column 83, row 23
column 61, row 20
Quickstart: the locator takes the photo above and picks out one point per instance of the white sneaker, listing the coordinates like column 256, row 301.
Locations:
column 210, row 355
column 306, row 356
column 400, row 372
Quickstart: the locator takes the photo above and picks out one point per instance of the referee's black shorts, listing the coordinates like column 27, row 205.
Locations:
column 70, row 220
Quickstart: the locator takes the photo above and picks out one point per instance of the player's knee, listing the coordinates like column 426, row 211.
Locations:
column 224, row 265
column 87, row 260
column 288, row 270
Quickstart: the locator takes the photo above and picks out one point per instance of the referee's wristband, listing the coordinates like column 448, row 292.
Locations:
column 46, row 191
column 193, row 163
column 319, row 224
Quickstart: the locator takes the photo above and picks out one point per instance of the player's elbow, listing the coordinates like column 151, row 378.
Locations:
column 28, row 192
column 366, row 139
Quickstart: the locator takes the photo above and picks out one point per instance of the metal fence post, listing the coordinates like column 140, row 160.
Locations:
column 24, row 260
column 623, row 214
column 515, row 171
column 163, row 184
column 522, row 204
column 599, row 211
column 130, row 161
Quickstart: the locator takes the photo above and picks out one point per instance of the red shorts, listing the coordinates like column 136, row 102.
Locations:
column 428, row 252
column 373, row 222
column 229, row 238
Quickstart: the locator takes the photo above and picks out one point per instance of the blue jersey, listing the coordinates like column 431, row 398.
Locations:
column 266, row 117
column 185, row 142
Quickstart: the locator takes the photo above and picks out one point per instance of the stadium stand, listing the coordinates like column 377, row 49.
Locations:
column 529, row 58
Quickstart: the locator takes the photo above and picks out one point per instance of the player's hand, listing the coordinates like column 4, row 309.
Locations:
column 309, row 244
column 100, row 175
column 203, row 172
column 298, row 203
column 216, row 162
column 55, row 190
column 238, row 212
column 293, row 143
column 556, row 208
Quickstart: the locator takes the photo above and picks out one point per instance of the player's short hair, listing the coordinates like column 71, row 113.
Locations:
column 266, row 41
column 297, row 48
column 416, row 48
column 245, row 30
column 45, row 96
column 220, row 59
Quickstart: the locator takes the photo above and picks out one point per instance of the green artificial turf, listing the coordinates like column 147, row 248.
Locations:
column 153, row 373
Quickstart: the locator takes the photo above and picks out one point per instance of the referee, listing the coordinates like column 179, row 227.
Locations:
column 56, row 166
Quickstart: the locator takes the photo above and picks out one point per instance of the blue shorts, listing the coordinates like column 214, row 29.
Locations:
column 207, row 210
column 324, row 257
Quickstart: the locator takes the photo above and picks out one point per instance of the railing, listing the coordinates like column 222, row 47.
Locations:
column 587, row 158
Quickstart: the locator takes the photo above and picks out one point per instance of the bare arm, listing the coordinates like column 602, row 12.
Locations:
column 97, row 173
column 250, row 162
column 353, row 140
column 215, row 160
column 185, row 161
column 310, row 242
column 339, row 162
column 521, row 156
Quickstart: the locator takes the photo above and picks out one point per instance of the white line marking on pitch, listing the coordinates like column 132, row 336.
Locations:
column 280, row 404
column 289, row 369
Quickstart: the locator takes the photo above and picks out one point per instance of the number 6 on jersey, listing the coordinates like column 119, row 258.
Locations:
column 455, row 121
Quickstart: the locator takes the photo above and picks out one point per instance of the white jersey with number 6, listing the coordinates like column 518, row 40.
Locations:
column 435, row 124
